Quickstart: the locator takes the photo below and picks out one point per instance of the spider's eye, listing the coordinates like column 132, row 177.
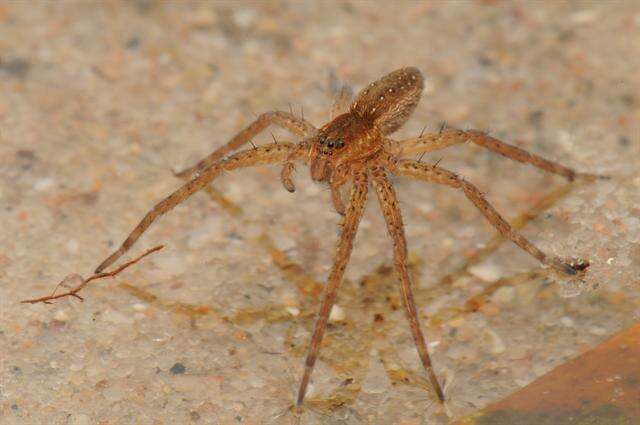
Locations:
column 322, row 140
column 339, row 143
column 330, row 144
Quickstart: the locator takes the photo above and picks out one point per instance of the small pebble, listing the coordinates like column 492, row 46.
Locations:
column 61, row 315
column 139, row 307
column 585, row 16
column 294, row 311
column 44, row 184
column 177, row 369
column 566, row 321
column 244, row 18
column 486, row 271
column 598, row 330
column 72, row 246
column 79, row 419
column 337, row 314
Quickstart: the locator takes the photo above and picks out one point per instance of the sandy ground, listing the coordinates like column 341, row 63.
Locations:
column 99, row 101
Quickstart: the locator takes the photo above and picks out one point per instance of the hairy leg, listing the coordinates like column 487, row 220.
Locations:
column 345, row 245
column 391, row 210
column 285, row 120
column 267, row 154
column 439, row 175
column 336, row 199
column 435, row 141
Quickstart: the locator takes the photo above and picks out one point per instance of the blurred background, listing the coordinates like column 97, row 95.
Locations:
column 100, row 101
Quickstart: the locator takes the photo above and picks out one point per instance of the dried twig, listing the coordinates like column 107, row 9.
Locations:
column 74, row 291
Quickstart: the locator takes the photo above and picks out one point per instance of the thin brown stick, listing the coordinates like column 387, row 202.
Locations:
column 74, row 292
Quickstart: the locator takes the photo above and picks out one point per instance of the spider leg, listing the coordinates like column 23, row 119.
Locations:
column 429, row 173
column 336, row 199
column 345, row 245
column 430, row 142
column 391, row 210
column 285, row 120
column 267, row 154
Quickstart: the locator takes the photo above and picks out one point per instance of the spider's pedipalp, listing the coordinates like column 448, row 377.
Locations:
column 285, row 176
column 267, row 154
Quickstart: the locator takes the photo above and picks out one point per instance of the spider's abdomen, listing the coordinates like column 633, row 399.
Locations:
column 389, row 101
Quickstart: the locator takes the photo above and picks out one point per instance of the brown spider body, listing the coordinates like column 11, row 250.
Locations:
column 358, row 135
column 354, row 147
column 342, row 142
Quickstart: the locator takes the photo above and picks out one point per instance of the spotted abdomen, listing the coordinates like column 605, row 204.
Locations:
column 389, row 101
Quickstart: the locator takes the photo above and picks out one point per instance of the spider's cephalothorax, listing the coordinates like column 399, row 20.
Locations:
column 355, row 147
column 357, row 135
column 345, row 140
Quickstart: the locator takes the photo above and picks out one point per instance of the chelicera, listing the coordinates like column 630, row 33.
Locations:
column 355, row 148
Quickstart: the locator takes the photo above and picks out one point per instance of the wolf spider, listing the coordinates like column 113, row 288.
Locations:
column 355, row 147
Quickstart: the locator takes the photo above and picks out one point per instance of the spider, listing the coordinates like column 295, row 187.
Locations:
column 354, row 147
